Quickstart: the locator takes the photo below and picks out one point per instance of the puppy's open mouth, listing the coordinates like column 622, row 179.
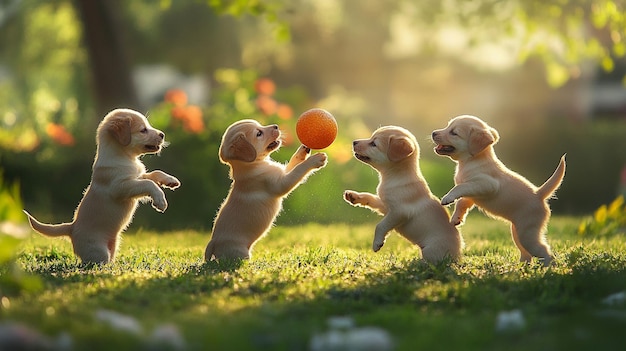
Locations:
column 273, row 145
column 361, row 157
column 444, row 149
column 152, row 148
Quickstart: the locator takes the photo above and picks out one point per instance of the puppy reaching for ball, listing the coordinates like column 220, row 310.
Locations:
column 118, row 182
column 403, row 196
column 259, row 186
column 483, row 180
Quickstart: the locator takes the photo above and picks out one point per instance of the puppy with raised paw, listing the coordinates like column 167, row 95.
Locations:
column 482, row 180
column 403, row 197
column 259, row 185
column 118, row 182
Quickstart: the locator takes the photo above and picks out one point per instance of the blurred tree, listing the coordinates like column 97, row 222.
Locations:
column 103, row 33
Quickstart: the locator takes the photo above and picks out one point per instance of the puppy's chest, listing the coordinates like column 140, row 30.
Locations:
column 400, row 194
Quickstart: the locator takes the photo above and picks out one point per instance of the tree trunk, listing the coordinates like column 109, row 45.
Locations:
column 103, row 32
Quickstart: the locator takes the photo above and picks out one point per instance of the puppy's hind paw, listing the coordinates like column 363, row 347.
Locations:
column 377, row 245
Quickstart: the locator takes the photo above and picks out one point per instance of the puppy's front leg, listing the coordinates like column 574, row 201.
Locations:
column 382, row 229
column 298, row 157
column 483, row 187
column 461, row 208
column 367, row 200
column 162, row 179
column 291, row 179
column 140, row 188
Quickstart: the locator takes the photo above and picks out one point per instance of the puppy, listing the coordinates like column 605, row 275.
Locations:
column 119, row 180
column 259, row 186
column 403, row 197
column 482, row 180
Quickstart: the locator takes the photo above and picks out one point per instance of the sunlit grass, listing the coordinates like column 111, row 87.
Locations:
column 300, row 276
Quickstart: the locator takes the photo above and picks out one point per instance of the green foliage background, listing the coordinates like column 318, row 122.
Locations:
column 45, row 78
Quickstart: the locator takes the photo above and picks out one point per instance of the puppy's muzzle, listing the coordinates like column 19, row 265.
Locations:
column 441, row 149
column 156, row 147
column 357, row 155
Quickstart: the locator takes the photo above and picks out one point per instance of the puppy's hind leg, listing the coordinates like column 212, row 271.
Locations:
column 525, row 256
column 531, row 238
column 93, row 252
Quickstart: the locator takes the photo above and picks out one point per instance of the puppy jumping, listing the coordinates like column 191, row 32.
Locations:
column 119, row 180
column 482, row 180
column 403, row 198
column 259, row 186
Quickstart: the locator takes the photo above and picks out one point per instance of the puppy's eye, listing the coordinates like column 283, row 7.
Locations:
column 144, row 130
column 452, row 132
column 259, row 133
column 373, row 144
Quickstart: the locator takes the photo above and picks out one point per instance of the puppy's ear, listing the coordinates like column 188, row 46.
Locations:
column 479, row 139
column 119, row 128
column 239, row 149
column 399, row 148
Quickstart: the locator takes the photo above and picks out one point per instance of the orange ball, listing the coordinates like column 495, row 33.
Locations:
column 316, row 128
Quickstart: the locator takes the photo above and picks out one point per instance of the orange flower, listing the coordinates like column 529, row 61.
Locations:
column 264, row 86
column 193, row 122
column 284, row 111
column 179, row 112
column 176, row 96
column 59, row 134
column 266, row 105
column 190, row 116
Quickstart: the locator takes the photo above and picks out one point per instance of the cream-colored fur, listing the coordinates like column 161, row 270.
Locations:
column 259, row 186
column 482, row 180
column 403, row 196
column 119, row 180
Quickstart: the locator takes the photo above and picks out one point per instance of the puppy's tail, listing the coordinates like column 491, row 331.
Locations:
column 549, row 187
column 50, row 229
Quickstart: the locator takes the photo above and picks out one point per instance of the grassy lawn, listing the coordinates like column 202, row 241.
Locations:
column 301, row 277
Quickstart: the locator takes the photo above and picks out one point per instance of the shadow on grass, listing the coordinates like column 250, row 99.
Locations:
column 234, row 305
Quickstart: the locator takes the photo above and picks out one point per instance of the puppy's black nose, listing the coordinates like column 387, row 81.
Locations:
column 434, row 135
column 275, row 126
column 162, row 135
column 355, row 142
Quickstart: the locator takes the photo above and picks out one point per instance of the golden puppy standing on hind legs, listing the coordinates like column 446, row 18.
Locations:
column 483, row 180
column 258, row 188
column 403, row 196
column 118, row 182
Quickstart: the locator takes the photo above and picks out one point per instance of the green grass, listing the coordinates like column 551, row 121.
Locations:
column 299, row 277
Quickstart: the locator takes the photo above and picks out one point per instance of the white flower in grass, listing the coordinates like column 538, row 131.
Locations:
column 344, row 336
column 510, row 321
column 119, row 321
column 615, row 299
column 167, row 337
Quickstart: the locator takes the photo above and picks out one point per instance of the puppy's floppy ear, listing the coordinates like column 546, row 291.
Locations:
column 238, row 149
column 399, row 148
column 479, row 139
column 119, row 128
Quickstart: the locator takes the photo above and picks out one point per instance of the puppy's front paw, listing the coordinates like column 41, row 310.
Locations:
column 171, row 182
column 351, row 196
column 377, row 245
column 318, row 160
column 447, row 199
column 456, row 221
column 159, row 203
column 302, row 153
